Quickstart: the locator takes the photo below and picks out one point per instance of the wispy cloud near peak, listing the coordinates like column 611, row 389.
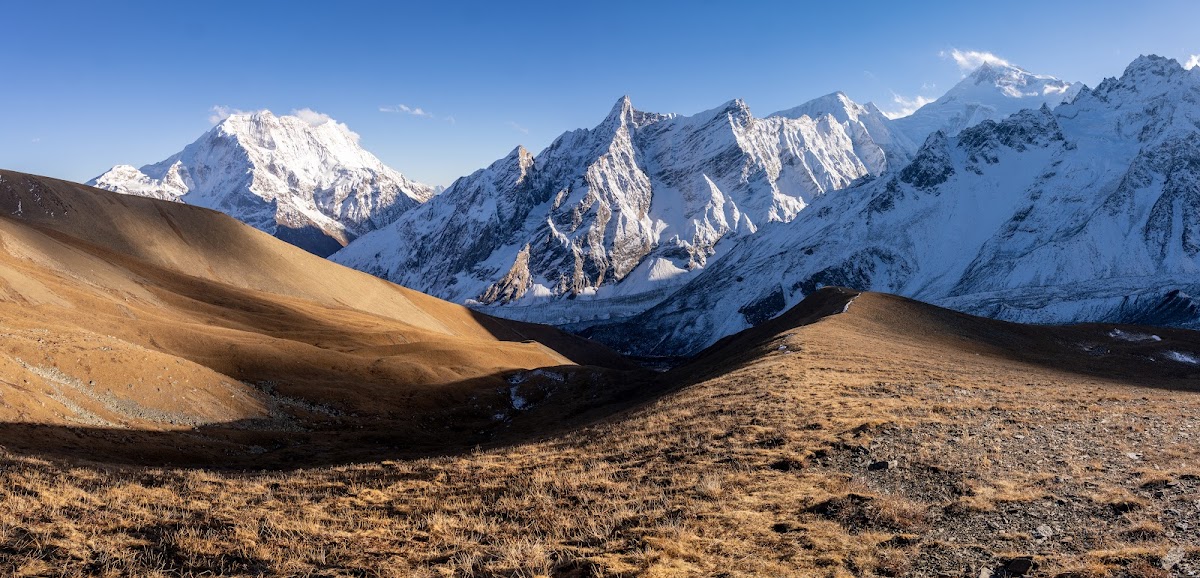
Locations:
column 969, row 60
column 405, row 109
column 906, row 106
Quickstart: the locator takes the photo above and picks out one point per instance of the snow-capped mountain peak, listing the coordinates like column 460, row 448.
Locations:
column 875, row 141
column 623, row 114
column 1151, row 65
column 302, row 177
column 992, row 91
column 1149, row 75
column 836, row 104
column 266, row 131
column 1011, row 81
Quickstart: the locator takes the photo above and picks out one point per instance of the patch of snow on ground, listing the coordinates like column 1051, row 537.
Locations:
column 1181, row 357
column 539, row 290
column 524, row 376
column 1132, row 337
column 515, row 380
column 664, row 269
column 518, row 402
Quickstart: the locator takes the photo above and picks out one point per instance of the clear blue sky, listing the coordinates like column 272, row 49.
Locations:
column 91, row 84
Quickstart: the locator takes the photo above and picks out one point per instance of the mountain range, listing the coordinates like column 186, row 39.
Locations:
column 1015, row 195
column 609, row 221
column 1088, row 212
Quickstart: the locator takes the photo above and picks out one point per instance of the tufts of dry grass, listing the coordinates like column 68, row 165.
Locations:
column 768, row 467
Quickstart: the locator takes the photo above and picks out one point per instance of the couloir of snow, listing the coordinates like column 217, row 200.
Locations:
column 276, row 173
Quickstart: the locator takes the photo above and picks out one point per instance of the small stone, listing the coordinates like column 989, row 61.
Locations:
column 1173, row 557
column 1133, row 456
column 1043, row 532
column 883, row 465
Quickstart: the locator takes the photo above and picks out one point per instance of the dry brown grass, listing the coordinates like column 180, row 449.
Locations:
column 999, row 441
column 760, row 470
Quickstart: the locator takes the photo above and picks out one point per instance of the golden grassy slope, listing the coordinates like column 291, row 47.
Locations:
column 886, row 438
column 123, row 315
column 1003, row 441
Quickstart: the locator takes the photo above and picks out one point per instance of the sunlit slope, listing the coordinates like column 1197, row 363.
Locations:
column 122, row 311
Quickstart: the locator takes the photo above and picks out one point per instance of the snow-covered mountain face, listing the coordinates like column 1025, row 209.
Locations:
column 992, row 92
column 304, row 179
column 606, row 221
column 876, row 142
column 1088, row 212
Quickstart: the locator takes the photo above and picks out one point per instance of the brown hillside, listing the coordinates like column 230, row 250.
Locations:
column 856, row 435
column 124, row 315
column 887, row 438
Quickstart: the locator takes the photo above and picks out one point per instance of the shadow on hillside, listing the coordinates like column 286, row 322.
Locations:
column 553, row 407
column 484, row 412
column 577, row 349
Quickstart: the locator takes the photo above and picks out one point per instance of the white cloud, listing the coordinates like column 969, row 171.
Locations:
column 450, row 119
column 1192, row 62
column 906, row 106
column 517, row 127
column 315, row 119
column 36, row 140
column 969, row 60
column 312, row 117
column 308, row 115
column 220, row 113
column 405, row 109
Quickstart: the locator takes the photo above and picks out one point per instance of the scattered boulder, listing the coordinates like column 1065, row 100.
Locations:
column 882, row 465
column 1012, row 567
column 1173, row 558
column 1043, row 532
